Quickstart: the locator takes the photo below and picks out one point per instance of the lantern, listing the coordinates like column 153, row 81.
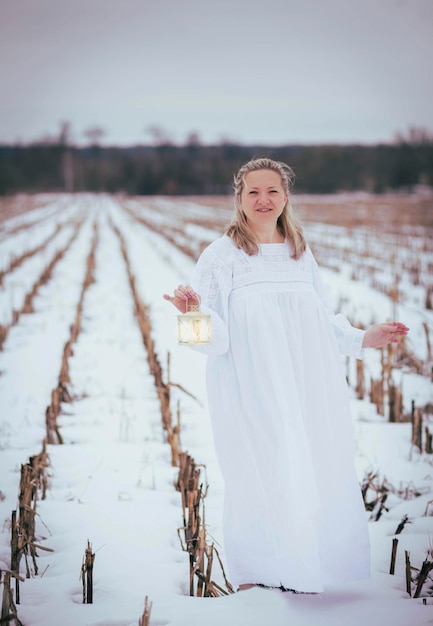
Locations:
column 193, row 327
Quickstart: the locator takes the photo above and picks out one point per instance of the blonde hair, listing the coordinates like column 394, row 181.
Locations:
column 287, row 224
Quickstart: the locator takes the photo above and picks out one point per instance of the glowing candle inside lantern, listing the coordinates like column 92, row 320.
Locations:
column 194, row 327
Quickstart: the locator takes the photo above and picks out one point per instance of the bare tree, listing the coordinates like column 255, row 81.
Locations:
column 94, row 134
column 193, row 139
column 159, row 135
column 415, row 136
column 64, row 137
column 226, row 140
column 64, row 140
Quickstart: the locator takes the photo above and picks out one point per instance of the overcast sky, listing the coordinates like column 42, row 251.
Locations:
column 268, row 71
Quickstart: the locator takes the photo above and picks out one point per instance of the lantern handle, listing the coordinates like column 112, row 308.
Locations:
column 193, row 307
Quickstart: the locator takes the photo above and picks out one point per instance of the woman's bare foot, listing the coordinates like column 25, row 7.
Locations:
column 246, row 586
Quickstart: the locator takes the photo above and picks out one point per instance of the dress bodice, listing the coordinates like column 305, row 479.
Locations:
column 273, row 264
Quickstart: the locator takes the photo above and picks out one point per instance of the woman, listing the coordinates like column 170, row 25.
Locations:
column 278, row 399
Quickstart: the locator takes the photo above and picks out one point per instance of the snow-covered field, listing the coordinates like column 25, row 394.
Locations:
column 112, row 482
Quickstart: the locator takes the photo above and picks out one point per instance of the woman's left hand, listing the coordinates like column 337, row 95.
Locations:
column 380, row 335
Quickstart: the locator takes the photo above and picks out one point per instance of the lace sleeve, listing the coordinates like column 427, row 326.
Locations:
column 211, row 279
column 349, row 339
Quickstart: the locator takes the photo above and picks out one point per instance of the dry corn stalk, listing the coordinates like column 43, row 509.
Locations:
column 145, row 619
column 393, row 555
column 423, row 574
column 194, row 529
column 8, row 609
column 86, row 574
column 408, row 573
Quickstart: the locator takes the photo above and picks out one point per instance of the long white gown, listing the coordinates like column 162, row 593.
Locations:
column 279, row 405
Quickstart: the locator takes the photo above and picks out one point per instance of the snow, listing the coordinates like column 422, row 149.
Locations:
column 112, row 481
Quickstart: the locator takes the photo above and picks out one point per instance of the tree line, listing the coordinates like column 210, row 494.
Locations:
column 195, row 169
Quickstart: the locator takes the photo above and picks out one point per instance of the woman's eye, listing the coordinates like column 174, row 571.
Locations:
column 252, row 193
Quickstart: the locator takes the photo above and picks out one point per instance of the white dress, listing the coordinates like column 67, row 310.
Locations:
column 279, row 405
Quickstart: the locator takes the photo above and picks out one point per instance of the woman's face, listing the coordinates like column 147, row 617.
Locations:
column 263, row 198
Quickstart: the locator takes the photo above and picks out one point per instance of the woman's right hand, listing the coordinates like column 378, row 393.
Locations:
column 182, row 297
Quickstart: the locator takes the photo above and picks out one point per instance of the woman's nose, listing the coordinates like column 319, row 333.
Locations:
column 263, row 197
